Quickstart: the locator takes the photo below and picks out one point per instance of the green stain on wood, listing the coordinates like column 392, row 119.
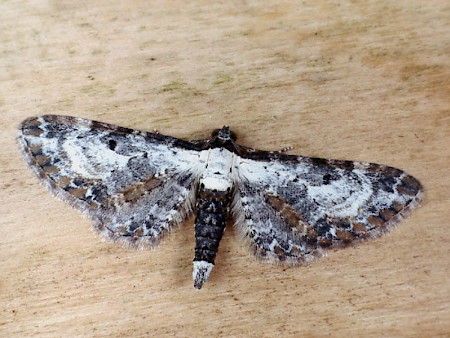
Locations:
column 179, row 87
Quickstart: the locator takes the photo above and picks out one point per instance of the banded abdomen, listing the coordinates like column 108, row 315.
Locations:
column 212, row 207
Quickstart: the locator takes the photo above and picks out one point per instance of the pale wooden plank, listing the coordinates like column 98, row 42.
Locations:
column 353, row 80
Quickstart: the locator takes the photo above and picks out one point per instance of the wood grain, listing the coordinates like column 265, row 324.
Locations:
column 360, row 80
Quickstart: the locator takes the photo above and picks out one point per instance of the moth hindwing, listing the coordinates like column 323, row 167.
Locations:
column 137, row 185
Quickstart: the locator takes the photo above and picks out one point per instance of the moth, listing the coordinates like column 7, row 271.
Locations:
column 137, row 186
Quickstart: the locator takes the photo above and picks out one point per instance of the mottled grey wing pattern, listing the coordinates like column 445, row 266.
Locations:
column 137, row 185
column 118, row 176
column 291, row 208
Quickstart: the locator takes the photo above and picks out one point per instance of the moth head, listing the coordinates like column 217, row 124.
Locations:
column 224, row 134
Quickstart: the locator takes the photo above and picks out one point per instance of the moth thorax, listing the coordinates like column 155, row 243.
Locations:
column 218, row 170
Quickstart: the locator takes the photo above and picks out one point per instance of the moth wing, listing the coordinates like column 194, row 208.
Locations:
column 292, row 208
column 135, row 185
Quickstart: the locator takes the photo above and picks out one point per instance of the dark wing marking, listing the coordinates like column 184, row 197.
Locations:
column 135, row 185
column 291, row 208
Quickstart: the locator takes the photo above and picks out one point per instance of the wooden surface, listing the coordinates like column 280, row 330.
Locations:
column 361, row 80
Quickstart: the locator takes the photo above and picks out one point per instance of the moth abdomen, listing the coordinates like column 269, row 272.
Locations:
column 210, row 221
column 209, row 228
